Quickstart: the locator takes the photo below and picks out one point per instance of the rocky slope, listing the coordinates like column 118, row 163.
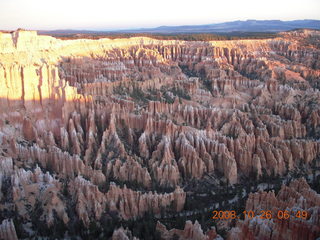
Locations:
column 96, row 128
column 293, row 198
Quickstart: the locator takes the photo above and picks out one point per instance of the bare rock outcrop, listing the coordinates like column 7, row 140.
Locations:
column 129, row 171
column 190, row 231
column 123, row 234
column 31, row 189
column 132, row 204
column 297, row 197
column 152, row 116
column 90, row 202
column 7, row 230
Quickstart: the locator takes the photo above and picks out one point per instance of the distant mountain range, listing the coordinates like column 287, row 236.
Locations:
column 235, row 26
column 226, row 27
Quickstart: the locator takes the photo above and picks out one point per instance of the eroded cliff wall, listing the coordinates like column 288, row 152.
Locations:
column 77, row 115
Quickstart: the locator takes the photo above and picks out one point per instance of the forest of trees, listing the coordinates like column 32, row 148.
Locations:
column 179, row 36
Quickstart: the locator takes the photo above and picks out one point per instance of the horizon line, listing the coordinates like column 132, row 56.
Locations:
column 102, row 29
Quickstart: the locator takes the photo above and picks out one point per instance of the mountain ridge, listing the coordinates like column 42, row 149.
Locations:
column 224, row 27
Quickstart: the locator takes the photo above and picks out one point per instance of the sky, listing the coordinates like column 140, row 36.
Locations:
column 125, row 14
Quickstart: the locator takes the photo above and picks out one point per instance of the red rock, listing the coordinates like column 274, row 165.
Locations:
column 73, row 108
column 298, row 196
column 7, row 230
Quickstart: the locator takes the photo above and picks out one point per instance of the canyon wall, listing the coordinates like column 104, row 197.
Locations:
column 295, row 198
column 97, row 125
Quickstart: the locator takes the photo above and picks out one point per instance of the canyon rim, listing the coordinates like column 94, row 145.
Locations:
column 142, row 138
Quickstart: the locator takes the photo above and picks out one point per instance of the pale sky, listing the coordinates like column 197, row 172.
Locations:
column 123, row 14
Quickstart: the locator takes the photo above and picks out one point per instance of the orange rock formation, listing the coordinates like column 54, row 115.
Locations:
column 77, row 115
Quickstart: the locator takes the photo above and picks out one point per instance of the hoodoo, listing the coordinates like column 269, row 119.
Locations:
column 98, row 134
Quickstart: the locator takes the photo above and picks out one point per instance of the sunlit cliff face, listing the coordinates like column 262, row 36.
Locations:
column 152, row 114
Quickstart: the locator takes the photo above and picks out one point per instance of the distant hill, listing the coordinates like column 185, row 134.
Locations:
column 226, row 27
column 235, row 26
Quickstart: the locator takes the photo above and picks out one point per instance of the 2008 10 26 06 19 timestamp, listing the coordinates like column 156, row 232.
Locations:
column 263, row 214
